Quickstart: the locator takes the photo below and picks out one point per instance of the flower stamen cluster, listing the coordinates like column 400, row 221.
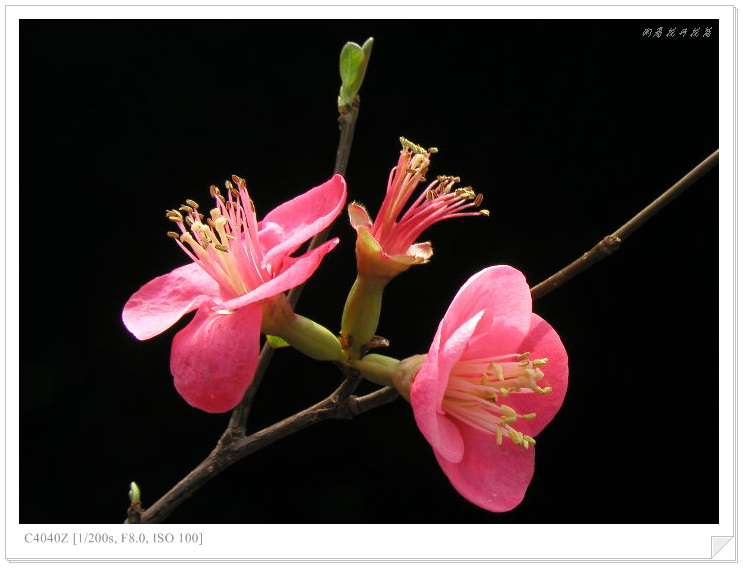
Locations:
column 475, row 387
column 396, row 231
column 224, row 246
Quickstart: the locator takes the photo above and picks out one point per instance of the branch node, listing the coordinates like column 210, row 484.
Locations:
column 374, row 343
column 231, row 435
column 347, row 109
column 609, row 244
column 134, row 513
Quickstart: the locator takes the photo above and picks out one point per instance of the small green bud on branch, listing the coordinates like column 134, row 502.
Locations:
column 134, row 512
column 353, row 62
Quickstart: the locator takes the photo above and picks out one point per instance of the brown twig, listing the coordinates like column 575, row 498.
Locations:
column 232, row 448
column 611, row 243
column 134, row 513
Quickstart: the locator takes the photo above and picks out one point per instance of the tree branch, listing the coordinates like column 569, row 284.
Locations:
column 371, row 401
column 231, row 448
column 611, row 243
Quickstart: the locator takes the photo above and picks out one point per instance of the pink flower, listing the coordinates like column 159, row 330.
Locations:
column 239, row 265
column 495, row 376
column 386, row 246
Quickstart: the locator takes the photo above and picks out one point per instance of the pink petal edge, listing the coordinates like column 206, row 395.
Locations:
column 542, row 341
column 501, row 289
column 293, row 222
column 359, row 216
column 494, row 477
column 164, row 300
column 428, row 390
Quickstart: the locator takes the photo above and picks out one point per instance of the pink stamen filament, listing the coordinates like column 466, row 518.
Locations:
column 400, row 187
column 476, row 385
column 420, row 219
column 396, row 231
column 227, row 246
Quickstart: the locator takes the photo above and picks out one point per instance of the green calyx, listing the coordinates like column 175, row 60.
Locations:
column 282, row 326
column 376, row 368
column 361, row 314
column 390, row 372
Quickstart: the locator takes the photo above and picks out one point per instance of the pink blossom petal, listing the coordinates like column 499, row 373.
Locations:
column 296, row 272
column 452, row 349
column 491, row 476
column 449, row 443
column 164, row 300
column 359, row 216
column 502, row 289
column 495, row 334
column 214, row 357
column 429, row 387
column 285, row 228
column 542, row 342
column 437, row 428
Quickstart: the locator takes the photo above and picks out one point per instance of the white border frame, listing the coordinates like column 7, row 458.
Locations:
column 442, row 543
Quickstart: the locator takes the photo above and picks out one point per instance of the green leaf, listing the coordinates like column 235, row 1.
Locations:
column 352, row 58
column 367, row 47
column 276, row 342
column 353, row 63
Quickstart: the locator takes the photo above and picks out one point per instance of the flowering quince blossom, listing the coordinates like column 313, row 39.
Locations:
column 496, row 374
column 386, row 246
column 240, row 267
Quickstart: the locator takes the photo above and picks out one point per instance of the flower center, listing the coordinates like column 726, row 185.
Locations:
column 476, row 389
column 396, row 231
column 227, row 245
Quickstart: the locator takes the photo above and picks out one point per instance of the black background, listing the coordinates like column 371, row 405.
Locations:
column 568, row 128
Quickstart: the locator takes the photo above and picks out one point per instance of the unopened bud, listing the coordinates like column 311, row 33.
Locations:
column 135, row 495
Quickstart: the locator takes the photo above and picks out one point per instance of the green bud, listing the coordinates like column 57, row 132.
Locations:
column 135, row 495
column 353, row 62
